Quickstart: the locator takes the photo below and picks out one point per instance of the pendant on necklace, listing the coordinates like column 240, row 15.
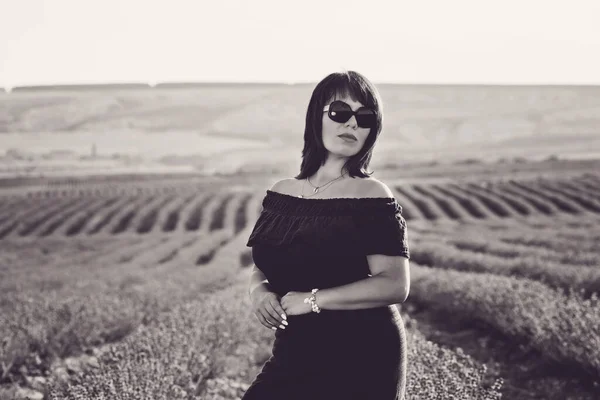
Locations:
column 301, row 196
column 316, row 189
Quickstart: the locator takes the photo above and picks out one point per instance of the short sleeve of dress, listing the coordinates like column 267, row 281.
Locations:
column 383, row 231
column 273, row 227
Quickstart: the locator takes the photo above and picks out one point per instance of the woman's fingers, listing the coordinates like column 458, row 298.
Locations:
column 264, row 321
column 281, row 315
column 272, row 308
column 270, row 315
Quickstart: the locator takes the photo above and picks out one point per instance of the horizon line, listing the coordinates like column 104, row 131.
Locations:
column 152, row 85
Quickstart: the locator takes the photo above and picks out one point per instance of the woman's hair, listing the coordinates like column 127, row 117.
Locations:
column 333, row 86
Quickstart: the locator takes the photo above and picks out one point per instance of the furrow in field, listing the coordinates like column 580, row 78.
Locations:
column 18, row 212
column 124, row 254
column 9, row 222
column 240, row 218
column 7, row 203
column 199, row 251
column 52, row 224
column 425, row 206
column 474, row 207
column 511, row 201
column 562, row 326
column 96, row 222
column 544, row 242
column 194, row 216
column 186, row 251
column 495, row 247
column 168, row 216
column 576, row 186
column 162, row 251
column 218, row 240
column 567, row 194
column 491, row 204
column 147, row 218
column 588, row 185
column 575, row 201
column 7, row 228
column 133, row 221
column 233, row 209
column 439, row 254
column 106, row 253
column 123, row 217
column 46, row 214
column 76, row 223
column 219, row 231
column 541, row 204
column 449, row 208
column 29, row 211
column 560, row 202
column 168, row 254
column 219, row 213
column 209, row 210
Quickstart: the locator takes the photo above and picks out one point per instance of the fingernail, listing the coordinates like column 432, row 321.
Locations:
column 283, row 316
column 273, row 328
column 284, row 322
column 282, row 327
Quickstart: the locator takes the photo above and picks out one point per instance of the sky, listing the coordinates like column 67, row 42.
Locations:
column 426, row 41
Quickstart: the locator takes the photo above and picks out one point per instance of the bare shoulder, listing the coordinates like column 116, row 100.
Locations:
column 284, row 186
column 372, row 187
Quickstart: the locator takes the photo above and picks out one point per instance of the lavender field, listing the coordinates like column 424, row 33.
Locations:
column 229, row 128
column 134, row 286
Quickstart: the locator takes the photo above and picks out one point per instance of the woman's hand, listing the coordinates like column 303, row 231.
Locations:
column 267, row 309
column 293, row 303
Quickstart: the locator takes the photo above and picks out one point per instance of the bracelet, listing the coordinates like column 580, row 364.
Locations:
column 313, row 301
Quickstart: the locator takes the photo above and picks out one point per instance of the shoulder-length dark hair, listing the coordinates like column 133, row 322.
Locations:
column 333, row 86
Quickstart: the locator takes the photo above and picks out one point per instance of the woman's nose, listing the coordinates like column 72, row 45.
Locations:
column 352, row 122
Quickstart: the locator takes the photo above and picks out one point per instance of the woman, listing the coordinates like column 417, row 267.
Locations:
column 331, row 260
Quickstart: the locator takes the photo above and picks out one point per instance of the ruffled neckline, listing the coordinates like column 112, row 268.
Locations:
column 286, row 204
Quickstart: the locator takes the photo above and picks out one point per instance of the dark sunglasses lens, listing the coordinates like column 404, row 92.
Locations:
column 340, row 111
column 366, row 118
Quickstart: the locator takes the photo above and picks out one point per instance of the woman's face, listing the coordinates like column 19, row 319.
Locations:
column 339, row 145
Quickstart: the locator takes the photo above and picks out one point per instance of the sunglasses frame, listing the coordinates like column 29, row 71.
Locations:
column 352, row 113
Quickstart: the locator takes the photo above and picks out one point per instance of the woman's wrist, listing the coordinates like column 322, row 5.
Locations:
column 312, row 300
column 261, row 287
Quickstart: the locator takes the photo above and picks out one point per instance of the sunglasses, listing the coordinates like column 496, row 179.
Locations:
column 341, row 112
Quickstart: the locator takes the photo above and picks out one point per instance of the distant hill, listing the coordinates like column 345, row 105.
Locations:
column 100, row 86
column 424, row 119
column 138, row 85
column 191, row 85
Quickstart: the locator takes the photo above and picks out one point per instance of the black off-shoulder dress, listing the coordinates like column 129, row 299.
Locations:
column 305, row 243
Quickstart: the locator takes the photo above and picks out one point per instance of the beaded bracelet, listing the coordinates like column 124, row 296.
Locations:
column 313, row 301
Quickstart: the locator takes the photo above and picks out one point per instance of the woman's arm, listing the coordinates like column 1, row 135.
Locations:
column 258, row 281
column 388, row 284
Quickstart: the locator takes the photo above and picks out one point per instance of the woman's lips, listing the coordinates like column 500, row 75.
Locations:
column 347, row 137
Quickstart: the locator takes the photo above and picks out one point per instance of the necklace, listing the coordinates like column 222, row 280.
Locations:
column 317, row 188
